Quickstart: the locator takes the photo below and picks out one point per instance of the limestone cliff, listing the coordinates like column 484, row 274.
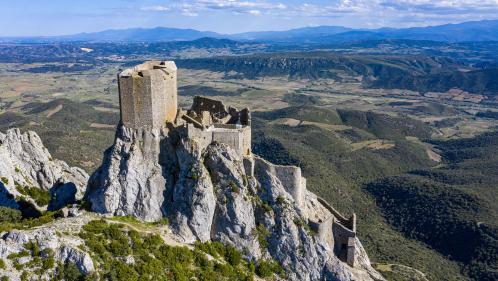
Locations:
column 214, row 193
column 30, row 175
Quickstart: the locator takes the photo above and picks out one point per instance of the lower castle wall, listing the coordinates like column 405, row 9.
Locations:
column 344, row 246
column 289, row 176
column 323, row 230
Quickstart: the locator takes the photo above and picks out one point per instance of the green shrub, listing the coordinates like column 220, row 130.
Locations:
column 28, row 223
column 266, row 207
column 21, row 254
column 5, row 180
column 121, row 271
column 262, row 234
column 9, row 215
column 33, row 248
column 154, row 260
column 235, row 188
column 266, row 268
column 40, row 196
column 280, row 200
column 24, row 276
column 232, row 256
column 2, row 264
column 48, row 263
column 69, row 272
column 4, row 278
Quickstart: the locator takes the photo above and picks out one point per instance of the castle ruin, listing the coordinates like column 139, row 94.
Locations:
column 148, row 99
column 148, row 94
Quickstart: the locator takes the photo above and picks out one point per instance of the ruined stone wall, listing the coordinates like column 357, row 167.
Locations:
column 148, row 94
column 237, row 137
column 323, row 230
column 246, row 141
column 344, row 244
column 220, row 113
column 217, row 108
column 289, row 176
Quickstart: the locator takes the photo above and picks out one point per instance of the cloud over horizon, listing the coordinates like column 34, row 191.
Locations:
column 411, row 12
column 232, row 16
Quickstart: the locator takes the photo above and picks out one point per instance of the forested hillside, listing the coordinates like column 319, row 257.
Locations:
column 452, row 208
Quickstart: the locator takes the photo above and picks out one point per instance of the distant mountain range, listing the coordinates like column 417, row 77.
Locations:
column 467, row 31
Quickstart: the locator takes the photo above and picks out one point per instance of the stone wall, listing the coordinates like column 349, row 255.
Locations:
column 148, row 94
column 216, row 107
column 237, row 137
column 289, row 176
column 344, row 246
column 220, row 113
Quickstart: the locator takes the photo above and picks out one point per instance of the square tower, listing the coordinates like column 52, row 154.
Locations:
column 148, row 94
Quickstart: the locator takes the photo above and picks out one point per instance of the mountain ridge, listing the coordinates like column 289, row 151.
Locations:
column 485, row 30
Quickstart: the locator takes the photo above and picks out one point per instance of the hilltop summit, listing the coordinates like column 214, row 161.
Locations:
column 198, row 171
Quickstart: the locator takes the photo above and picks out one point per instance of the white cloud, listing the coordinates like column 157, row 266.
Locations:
column 195, row 7
column 254, row 12
column 370, row 12
column 156, row 8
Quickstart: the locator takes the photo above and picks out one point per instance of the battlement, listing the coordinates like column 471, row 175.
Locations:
column 148, row 94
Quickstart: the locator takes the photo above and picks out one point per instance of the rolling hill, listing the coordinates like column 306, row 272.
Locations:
column 411, row 72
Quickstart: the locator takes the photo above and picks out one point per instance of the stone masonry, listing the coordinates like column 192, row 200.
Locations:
column 148, row 94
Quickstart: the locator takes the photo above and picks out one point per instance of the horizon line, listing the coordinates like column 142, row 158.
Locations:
column 230, row 34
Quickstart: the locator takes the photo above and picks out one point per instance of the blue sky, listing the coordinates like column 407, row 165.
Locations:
column 57, row 17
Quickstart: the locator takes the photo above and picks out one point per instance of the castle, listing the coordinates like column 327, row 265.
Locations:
column 148, row 99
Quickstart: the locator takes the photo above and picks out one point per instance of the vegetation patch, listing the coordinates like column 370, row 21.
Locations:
column 11, row 219
column 40, row 196
column 263, row 233
column 122, row 253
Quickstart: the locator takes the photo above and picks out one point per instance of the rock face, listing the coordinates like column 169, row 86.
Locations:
column 26, row 164
column 130, row 181
column 61, row 247
column 214, row 194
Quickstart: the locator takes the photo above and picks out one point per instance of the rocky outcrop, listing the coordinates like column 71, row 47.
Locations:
column 26, row 164
column 214, row 194
column 130, row 180
column 50, row 242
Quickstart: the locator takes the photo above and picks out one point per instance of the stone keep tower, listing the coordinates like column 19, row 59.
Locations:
column 148, row 94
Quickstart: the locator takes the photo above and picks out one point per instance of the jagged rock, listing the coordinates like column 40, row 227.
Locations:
column 25, row 162
column 213, row 194
column 234, row 221
column 130, row 182
column 193, row 201
column 73, row 211
column 65, row 248
column 81, row 259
